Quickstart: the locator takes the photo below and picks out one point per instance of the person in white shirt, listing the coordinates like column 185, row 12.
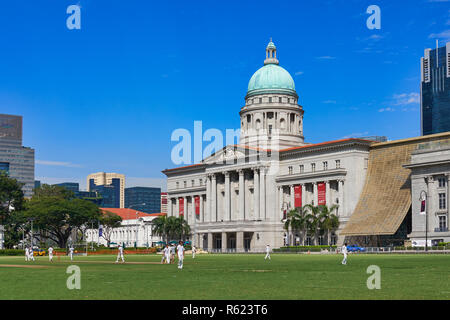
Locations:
column 167, row 253
column 194, row 250
column 71, row 253
column 163, row 255
column 120, row 254
column 172, row 254
column 50, row 254
column 27, row 254
column 180, row 250
column 267, row 252
column 344, row 252
column 31, row 254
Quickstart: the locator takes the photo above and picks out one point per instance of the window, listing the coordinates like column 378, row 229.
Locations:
column 279, row 99
column 192, row 183
column 442, row 222
column 260, row 100
column 270, row 129
column 441, row 200
column 290, row 169
column 325, row 165
column 302, row 168
column 441, row 182
column 313, row 167
column 270, row 99
column 178, row 185
column 185, row 184
column 338, row 164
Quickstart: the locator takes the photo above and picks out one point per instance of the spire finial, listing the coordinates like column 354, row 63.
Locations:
column 271, row 53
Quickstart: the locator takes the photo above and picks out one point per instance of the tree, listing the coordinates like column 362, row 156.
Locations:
column 313, row 221
column 171, row 228
column 56, row 212
column 329, row 221
column 11, row 204
column 295, row 222
column 109, row 221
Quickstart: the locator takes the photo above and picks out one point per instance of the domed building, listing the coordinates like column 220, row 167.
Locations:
column 237, row 199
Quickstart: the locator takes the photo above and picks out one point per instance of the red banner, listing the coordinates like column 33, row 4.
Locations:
column 197, row 205
column 321, row 194
column 181, row 205
column 297, row 196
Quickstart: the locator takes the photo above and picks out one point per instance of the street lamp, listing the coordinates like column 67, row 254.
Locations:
column 424, row 200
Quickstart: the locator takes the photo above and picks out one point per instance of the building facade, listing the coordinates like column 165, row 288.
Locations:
column 146, row 199
column 236, row 200
column 435, row 90
column 16, row 160
column 164, row 202
column 136, row 228
column 111, row 187
column 430, row 182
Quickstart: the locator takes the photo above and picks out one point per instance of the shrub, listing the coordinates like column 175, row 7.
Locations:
column 12, row 252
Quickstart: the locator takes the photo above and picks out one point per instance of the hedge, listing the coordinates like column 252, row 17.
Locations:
column 303, row 248
column 12, row 252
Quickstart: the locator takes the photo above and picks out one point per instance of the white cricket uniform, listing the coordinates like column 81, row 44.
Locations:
column 267, row 253
column 27, row 254
column 194, row 250
column 50, row 254
column 120, row 254
column 344, row 252
column 180, row 250
column 167, row 254
column 31, row 254
column 71, row 253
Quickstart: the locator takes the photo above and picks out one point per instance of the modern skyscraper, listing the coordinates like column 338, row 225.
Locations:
column 16, row 160
column 144, row 199
column 435, row 90
column 111, row 186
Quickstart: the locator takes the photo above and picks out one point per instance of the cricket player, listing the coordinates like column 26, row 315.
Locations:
column 180, row 250
column 71, row 252
column 344, row 252
column 120, row 254
column 31, row 253
column 194, row 250
column 163, row 255
column 172, row 254
column 167, row 253
column 50, row 254
column 267, row 252
column 27, row 254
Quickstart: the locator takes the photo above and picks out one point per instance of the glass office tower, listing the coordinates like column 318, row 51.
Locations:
column 16, row 160
column 145, row 199
column 435, row 90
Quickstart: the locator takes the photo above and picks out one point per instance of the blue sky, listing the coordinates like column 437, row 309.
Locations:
column 107, row 97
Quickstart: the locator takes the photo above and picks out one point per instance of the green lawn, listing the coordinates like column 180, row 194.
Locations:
column 288, row 276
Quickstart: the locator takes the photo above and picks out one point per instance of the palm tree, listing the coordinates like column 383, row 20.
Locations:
column 295, row 222
column 289, row 224
column 312, row 219
column 159, row 227
column 171, row 228
column 329, row 221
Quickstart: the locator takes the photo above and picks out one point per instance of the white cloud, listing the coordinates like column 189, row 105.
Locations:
column 406, row 98
column 298, row 73
column 388, row 109
column 355, row 135
column 443, row 36
column 57, row 163
column 329, row 101
column 326, row 58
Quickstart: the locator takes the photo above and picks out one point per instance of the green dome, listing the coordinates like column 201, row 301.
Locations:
column 271, row 79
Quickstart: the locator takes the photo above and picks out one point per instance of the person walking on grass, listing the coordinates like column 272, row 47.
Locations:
column 180, row 250
column 167, row 254
column 120, row 254
column 50, row 254
column 194, row 250
column 344, row 252
column 31, row 254
column 27, row 254
column 267, row 252
column 71, row 253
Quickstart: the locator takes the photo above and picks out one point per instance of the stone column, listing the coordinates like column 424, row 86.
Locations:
column 241, row 196
column 315, row 194
column 280, row 201
column 213, row 198
column 186, row 212
column 240, row 241
column 262, row 196
column 169, row 207
column 327, row 193
column 178, row 207
column 256, row 191
column 341, row 197
column 208, row 199
column 448, row 193
column 227, row 207
column 292, row 197
column 210, row 242
column 193, row 216
column 303, row 194
column 202, row 214
column 431, row 203
column 224, row 242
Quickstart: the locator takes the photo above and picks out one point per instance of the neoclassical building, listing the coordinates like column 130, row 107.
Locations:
column 237, row 198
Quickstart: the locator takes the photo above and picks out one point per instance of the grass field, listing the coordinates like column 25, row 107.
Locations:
column 286, row 276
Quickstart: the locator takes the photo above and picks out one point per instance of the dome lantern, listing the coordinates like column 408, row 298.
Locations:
column 271, row 53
